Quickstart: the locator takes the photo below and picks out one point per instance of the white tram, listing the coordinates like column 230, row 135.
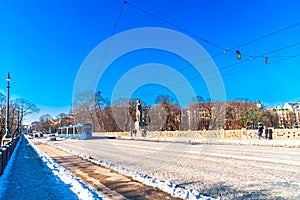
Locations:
column 76, row 131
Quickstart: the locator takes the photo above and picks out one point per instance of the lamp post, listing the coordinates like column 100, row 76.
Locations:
column 7, row 132
column 18, row 122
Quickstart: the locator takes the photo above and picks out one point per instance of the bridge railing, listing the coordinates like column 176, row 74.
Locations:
column 6, row 152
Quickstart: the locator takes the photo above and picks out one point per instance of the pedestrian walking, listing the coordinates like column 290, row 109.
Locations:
column 260, row 130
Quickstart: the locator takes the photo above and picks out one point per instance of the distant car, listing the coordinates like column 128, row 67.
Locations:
column 51, row 137
column 36, row 135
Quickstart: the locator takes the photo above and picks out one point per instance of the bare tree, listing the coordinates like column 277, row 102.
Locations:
column 271, row 117
column 65, row 119
column 19, row 108
column 100, row 101
column 22, row 108
column 45, row 123
column 122, row 111
column 2, row 114
column 168, row 112
column 84, row 108
column 25, row 107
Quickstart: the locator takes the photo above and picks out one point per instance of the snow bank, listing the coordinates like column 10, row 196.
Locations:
column 77, row 186
column 165, row 186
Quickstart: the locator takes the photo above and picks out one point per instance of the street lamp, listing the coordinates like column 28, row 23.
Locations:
column 7, row 133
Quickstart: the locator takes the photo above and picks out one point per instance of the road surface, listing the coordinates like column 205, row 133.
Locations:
column 229, row 171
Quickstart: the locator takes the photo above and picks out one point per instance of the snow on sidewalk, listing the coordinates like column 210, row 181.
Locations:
column 31, row 174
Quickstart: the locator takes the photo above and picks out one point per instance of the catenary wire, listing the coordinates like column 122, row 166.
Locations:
column 227, row 66
column 205, row 40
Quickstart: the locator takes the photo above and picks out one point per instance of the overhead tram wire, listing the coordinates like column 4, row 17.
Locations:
column 161, row 19
column 250, row 68
column 182, row 29
column 153, row 92
column 227, row 66
column 244, row 44
column 205, row 40
column 174, row 25
column 283, row 48
column 265, row 36
column 118, row 19
column 259, row 56
column 243, row 61
column 263, row 55
column 262, row 65
column 273, row 51
column 237, row 63
column 112, row 33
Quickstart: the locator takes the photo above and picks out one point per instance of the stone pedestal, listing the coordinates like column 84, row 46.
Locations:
column 138, row 129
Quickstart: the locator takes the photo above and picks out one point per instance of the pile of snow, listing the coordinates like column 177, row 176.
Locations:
column 77, row 186
column 166, row 186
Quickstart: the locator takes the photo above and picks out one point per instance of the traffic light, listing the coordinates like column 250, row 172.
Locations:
column 266, row 60
column 239, row 56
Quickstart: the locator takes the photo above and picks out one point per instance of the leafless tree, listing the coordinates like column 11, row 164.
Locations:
column 2, row 114
column 45, row 123
column 84, row 108
column 22, row 108
column 168, row 112
column 19, row 109
column 122, row 114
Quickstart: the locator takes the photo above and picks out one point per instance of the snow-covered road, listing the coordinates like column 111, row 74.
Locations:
column 230, row 171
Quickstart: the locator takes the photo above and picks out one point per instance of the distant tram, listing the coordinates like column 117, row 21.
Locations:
column 76, row 131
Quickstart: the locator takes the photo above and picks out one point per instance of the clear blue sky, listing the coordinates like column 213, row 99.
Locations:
column 43, row 44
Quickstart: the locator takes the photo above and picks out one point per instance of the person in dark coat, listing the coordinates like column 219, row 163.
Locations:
column 260, row 130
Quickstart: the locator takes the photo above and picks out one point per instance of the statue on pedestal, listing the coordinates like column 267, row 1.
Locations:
column 139, row 123
column 139, row 112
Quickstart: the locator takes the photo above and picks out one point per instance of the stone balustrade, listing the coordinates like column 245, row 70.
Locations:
column 242, row 134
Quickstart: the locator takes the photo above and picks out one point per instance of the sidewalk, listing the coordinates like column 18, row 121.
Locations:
column 27, row 177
